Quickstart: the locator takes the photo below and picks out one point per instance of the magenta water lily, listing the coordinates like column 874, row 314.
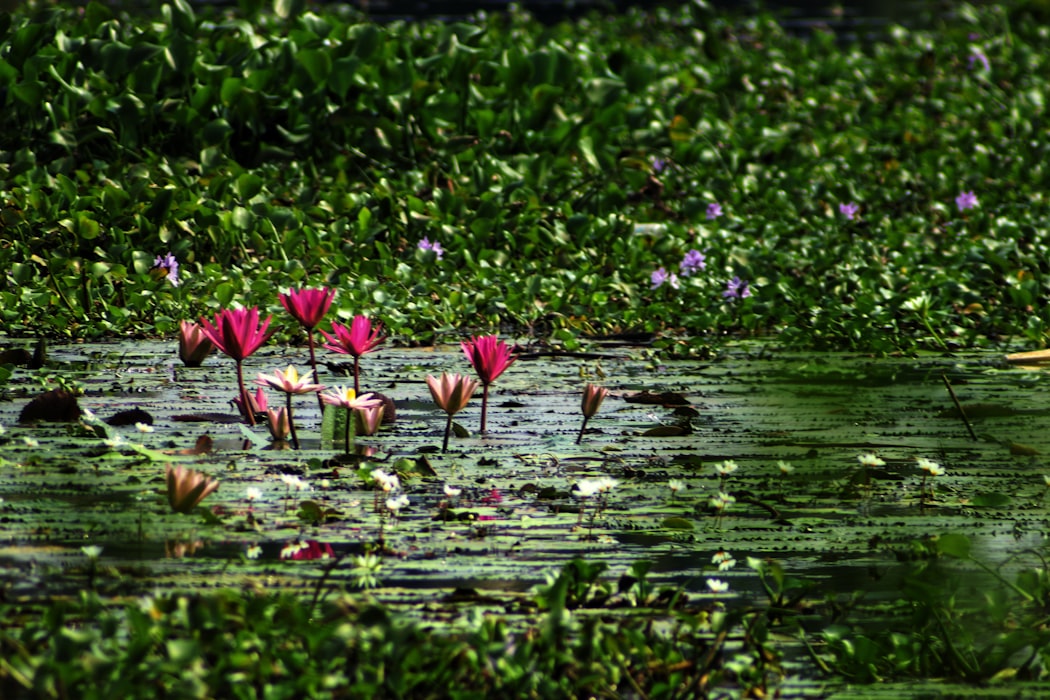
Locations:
column 238, row 333
column 360, row 338
column 308, row 307
column 489, row 357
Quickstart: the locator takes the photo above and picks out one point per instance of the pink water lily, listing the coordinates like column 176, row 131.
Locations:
column 593, row 396
column 238, row 333
column 194, row 345
column 291, row 384
column 345, row 397
column 490, row 357
column 360, row 338
column 187, row 488
column 451, row 393
column 368, row 420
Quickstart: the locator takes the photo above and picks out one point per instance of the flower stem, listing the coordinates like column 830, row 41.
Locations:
column 346, row 431
column 448, row 429
column 313, row 365
column 357, row 375
column 246, row 402
column 484, row 406
column 582, row 428
column 291, row 421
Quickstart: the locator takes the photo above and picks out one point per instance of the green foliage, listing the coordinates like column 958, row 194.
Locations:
column 990, row 629
column 229, row 644
column 271, row 149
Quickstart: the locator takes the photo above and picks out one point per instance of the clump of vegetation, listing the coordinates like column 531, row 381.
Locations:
column 679, row 171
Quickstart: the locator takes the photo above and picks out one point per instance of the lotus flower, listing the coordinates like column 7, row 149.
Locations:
column 451, row 393
column 308, row 307
column 358, row 339
column 592, row 401
column 345, row 397
column 187, row 488
column 194, row 345
column 238, row 333
column 489, row 357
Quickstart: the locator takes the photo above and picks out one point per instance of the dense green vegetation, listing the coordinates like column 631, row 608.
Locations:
column 267, row 150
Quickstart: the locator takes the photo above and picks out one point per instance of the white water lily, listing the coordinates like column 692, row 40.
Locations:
column 144, row 427
column 253, row 551
column 252, row 493
column 396, row 503
column 92, row 551
column 870, row 459
column 717, row 585
column 676, row 485
column 930, row 467
column 452, row 492
column 784, row 467
column 726, row 468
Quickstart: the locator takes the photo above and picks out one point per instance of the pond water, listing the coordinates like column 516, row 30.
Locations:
column 830, row 521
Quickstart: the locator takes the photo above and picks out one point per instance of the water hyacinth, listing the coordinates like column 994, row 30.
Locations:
column 187, row 488
column 194, row 345
column 489, row 357
column 736, row 288
column 692, row 262
column 849, row 210
column 966, row 200
column 238, row 333
column 714, row 210
column 360, row 338
column 592, row 400
column 426, row 246
column 167, row 266
column 660, row 276
column 450, row 392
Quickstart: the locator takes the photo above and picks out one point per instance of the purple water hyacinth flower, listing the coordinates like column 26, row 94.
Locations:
column 692, row 262
column 849, row 210
column 978, row 57
column 170, row 266
column 660, row 276
column 737, row 288
column 714, row 210
column 438, row 251
column 659, row 165
column 966, row 200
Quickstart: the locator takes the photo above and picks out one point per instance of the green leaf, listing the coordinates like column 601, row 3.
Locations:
column 954, row 545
